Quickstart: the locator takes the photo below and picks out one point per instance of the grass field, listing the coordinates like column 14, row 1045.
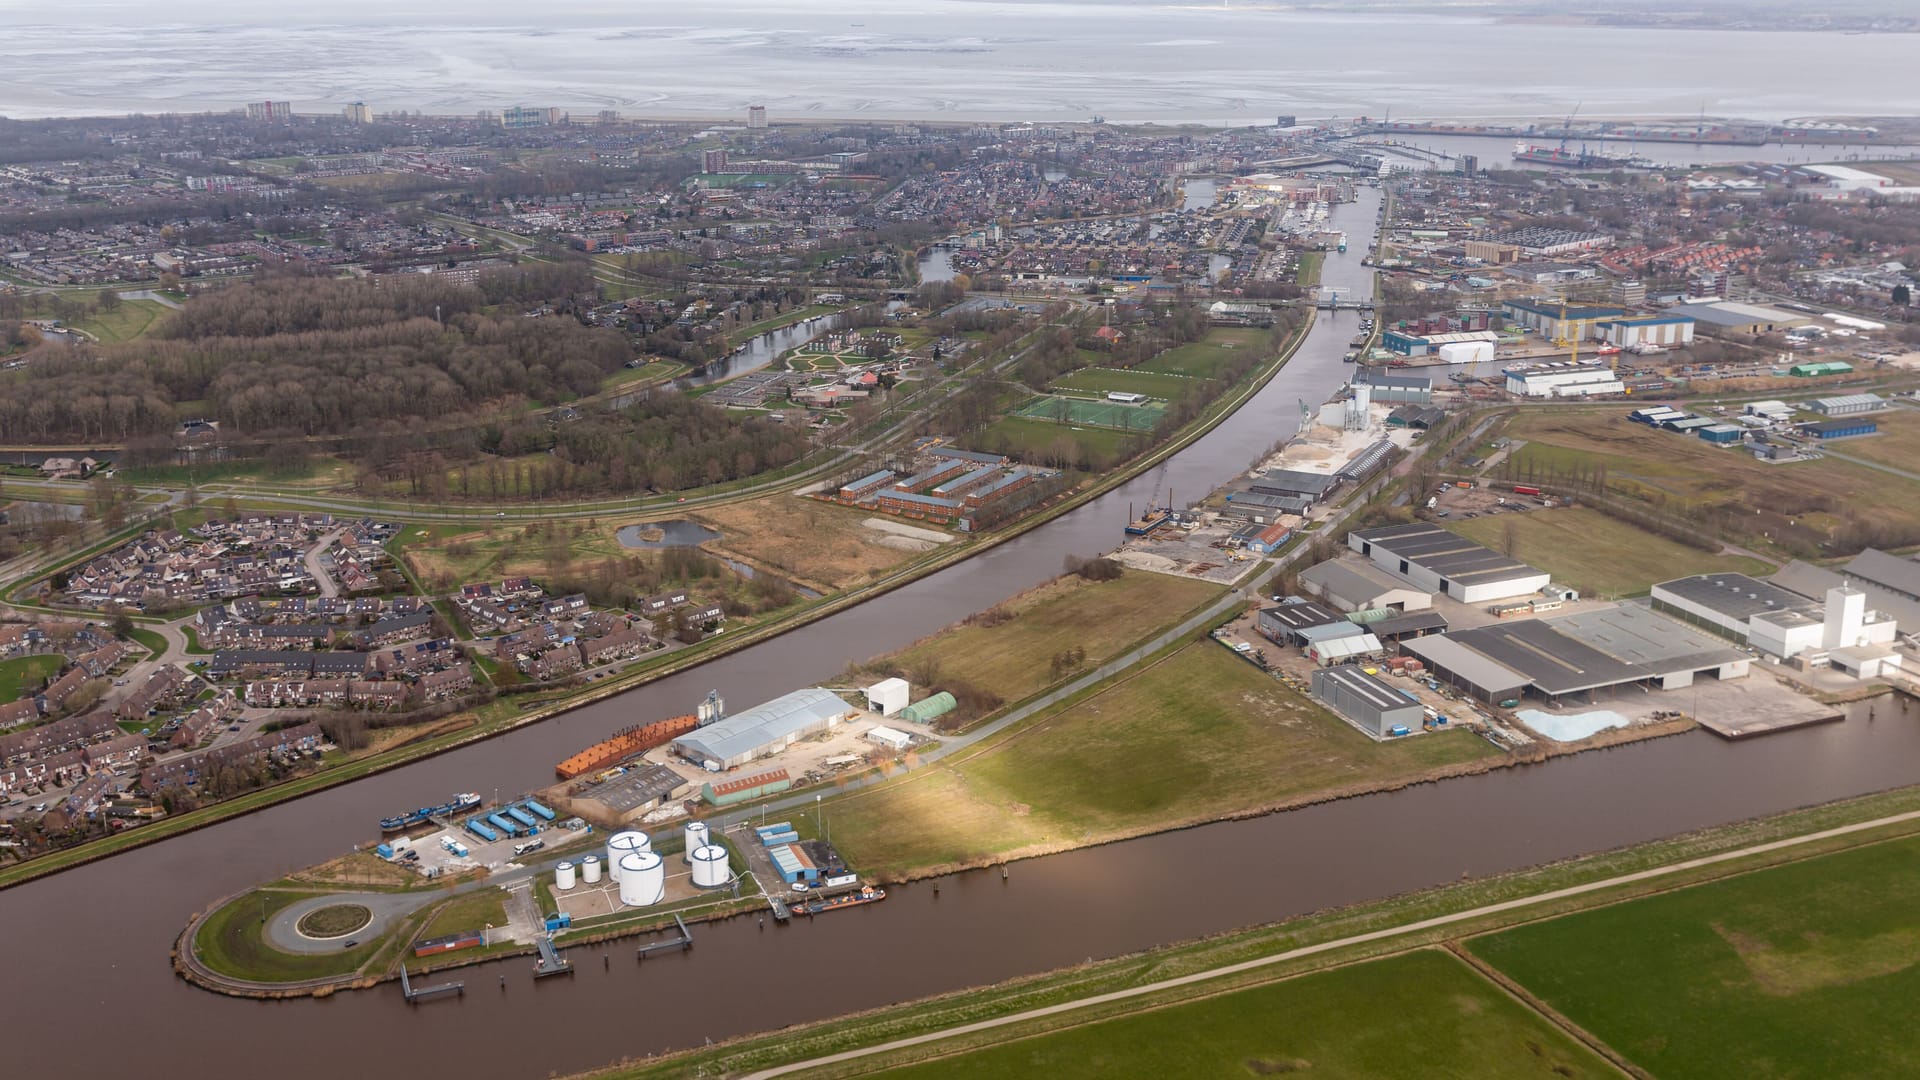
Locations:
column 1099, row 380
column 1205, row 357
column 1423, row 1014
column 1196, row 736
column 1062, row 409
column 131, row 319
column 817, row 543
column 24, row 674
column 1808, row 969
column 1600, row 555
column 312, row 474
column 1014, row 658
column 1897, row 443
column 1027, row 439
column 476, row 910
column 1804, row 503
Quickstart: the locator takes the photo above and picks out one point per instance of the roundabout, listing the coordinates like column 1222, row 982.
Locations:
column 334, row 921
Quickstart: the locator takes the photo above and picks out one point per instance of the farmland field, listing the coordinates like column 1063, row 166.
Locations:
column 1808, row 969
column 1421, row 1014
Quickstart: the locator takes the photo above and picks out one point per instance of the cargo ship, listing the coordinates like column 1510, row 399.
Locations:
column 464, row 801
column 624, row 744
column 1585, row 159
column 867, row 895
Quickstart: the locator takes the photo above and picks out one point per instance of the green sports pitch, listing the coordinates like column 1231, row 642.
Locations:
column 1092, row 413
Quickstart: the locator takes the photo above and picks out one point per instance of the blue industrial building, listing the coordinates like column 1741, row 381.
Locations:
column 1842, row 429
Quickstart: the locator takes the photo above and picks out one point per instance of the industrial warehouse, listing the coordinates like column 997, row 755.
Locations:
column 1840, row 632
column 1435, row 560
column 1575, row 656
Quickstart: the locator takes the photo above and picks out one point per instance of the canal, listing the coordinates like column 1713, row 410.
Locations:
column 89, row 947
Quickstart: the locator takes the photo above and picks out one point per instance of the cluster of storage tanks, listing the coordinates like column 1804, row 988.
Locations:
column 641, row 874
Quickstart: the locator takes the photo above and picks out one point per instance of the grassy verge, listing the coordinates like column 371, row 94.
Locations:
column 150, row 640
column 476, row 910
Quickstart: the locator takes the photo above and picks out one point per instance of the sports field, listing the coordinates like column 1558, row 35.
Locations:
column 1072, row 410
column 1805, row 970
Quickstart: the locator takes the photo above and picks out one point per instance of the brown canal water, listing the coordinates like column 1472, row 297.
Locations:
column 91, row 991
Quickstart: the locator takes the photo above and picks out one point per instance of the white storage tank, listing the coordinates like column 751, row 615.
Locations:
column 698, row 837
column 590, row 869
column 621, row 844
column 643, row 879
column 710, row 869
column 563, row 876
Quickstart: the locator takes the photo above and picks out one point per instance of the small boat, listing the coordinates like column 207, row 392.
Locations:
column 867, row 895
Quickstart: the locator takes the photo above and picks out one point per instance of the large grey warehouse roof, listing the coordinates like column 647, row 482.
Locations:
column 1294, row 482
column 1553, row 662
column 745, row 732
column 1634, row 635
column 1448, row 554
column 1737, row 596
column 1891, row 571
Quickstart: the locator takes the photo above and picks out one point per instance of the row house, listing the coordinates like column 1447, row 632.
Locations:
column 617, row 646
column 120, row 750
column 162, row 686
column 71, row 733
column 54, row 770
column 394, row 629
column 204, row 720
column 63, row 688
column 665, row 602
column 417, row 658
column 101, row 660
column 566, row 607
column 15, row 713
column 562, row 659
column 532, row 640
column 188, row 769
column 266, row 663
column 444, row 684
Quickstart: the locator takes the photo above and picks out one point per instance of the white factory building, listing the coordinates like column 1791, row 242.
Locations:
column 1667, row 331
column 1779, row 622
column 1562, row 379
column 763, row 730
column 1437, row 561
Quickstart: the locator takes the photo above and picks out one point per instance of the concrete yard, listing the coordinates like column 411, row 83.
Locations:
column 1191, row 554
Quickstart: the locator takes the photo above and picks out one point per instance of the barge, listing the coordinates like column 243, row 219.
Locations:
column 464, row 801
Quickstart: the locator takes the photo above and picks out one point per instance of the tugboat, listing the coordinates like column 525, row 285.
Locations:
column 464, row 801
